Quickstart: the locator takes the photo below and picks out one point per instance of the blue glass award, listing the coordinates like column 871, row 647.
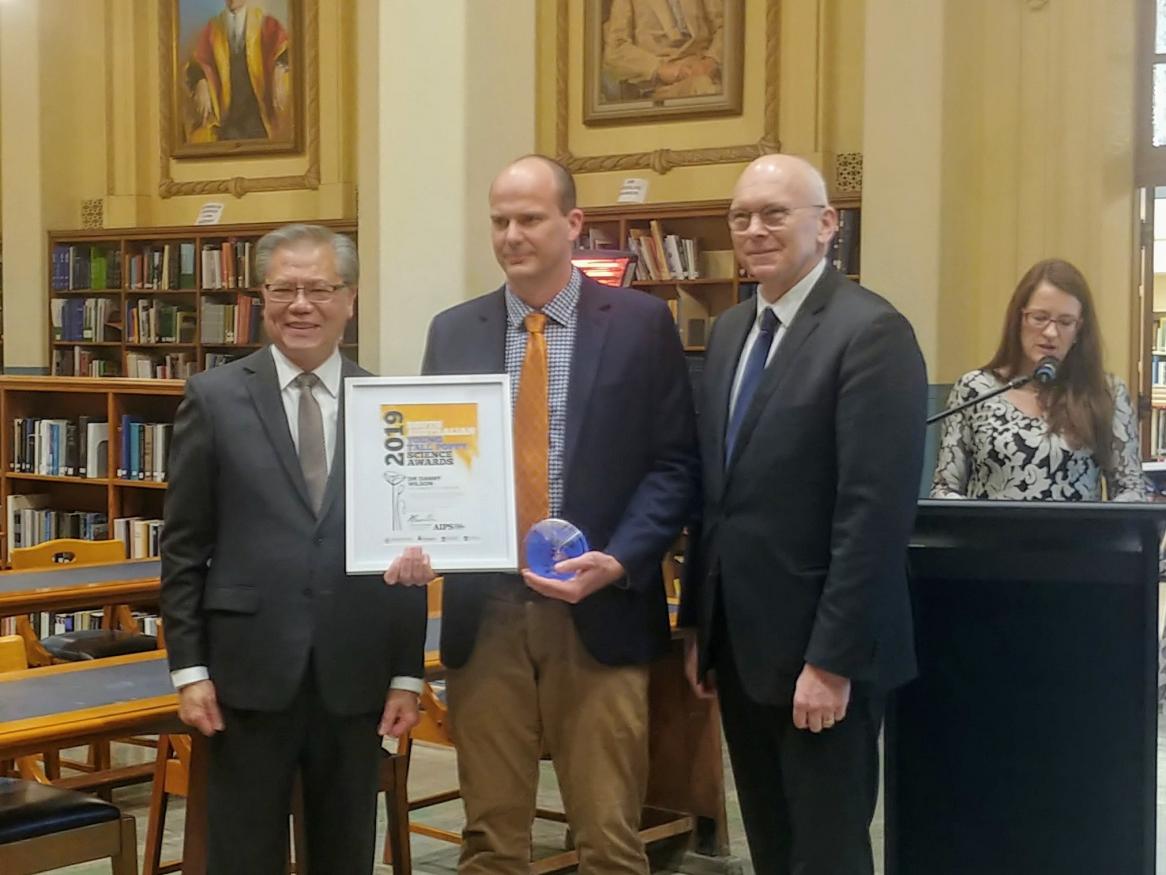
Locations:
column 550, row 542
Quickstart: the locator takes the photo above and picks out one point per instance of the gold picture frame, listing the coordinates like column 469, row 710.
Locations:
column 233, row 77
column 662, row 160
column 651, row 60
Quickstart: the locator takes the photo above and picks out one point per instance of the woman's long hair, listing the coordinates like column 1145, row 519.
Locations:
column 1078, row 404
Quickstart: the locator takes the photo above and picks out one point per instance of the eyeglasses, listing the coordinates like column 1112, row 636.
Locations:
column 1040, row 320
column 774, row 218
column 319, row 293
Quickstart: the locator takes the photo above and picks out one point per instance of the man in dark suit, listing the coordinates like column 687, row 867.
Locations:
column 811, row 441
column 604, row 438
column 287, row 663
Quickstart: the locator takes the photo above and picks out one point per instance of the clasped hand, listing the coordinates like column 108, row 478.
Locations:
column 411, row 568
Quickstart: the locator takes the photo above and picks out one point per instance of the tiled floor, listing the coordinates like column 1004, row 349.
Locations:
column 434, row 770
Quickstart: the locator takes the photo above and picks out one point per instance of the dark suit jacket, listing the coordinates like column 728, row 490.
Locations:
column 629, row 463
column 804, row 533
column 252, row 580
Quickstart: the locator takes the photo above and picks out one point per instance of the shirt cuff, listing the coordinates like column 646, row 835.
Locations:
column 184, row 677
column 404, row 682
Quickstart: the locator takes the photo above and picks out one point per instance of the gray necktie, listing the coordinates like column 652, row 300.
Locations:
column 313, row 458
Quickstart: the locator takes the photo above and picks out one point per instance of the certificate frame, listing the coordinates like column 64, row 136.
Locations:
column 429, row 461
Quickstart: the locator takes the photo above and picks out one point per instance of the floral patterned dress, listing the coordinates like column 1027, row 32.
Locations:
column 994, row 450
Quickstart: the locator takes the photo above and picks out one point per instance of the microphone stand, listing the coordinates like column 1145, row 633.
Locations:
column 1014, row 383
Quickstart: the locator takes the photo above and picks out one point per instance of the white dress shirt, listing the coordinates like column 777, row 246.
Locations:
column 785, row 308
column 327, row 395
column 238, row 20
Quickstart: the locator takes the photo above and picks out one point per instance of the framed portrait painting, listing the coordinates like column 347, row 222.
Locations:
column 647, row 60
column 232, row 73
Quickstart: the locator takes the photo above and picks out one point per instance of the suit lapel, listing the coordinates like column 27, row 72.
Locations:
column 335, row 485
column 492, row 324
column 263, row 386
column 590, row 335
column 734, row 326
column 805, row 323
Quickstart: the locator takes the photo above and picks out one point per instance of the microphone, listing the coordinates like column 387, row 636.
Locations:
column 1045, row 371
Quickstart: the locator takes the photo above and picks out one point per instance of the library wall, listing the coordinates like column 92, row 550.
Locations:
column 999, row 136
column 820, row 101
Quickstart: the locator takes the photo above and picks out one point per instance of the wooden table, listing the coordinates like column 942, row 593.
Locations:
column 69, row 587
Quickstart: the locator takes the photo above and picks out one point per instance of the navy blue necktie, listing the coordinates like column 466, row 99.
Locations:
column 754, row 368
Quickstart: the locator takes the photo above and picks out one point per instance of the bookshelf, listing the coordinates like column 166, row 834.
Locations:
column 106, row 491
column 158, row 302
column 704, row 280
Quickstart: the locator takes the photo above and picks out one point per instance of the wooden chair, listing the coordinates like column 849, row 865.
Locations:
column 171, row 778
column 45, row 828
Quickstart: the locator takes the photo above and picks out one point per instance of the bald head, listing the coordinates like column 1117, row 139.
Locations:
column 797, row 175
column 543, row 171
column 781, row 220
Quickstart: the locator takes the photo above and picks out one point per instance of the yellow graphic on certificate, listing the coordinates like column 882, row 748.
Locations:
column 429, row 451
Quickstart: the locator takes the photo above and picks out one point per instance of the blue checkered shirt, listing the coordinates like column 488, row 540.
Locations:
column 561, row 313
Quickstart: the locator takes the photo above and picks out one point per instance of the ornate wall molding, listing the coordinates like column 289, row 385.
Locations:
column 93, row 212
column 848, row 172
column 662, row 160
column 238, row 186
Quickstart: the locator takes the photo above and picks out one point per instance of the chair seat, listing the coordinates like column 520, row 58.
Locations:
column 97, row 644
column 29, row 809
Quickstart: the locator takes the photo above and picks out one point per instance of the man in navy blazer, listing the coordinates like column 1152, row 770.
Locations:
column 540, row 665
column 812, row 442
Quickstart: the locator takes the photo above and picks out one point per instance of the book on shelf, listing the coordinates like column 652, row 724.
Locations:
column 149, row 320
column 80, row 266
column 237, row 322
column 141, row 537
column 228, row 265
column 844, row 248
column 160, row 365
column 664, row 256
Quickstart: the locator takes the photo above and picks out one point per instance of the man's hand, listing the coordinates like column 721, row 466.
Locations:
column 820, row 699
column 202, row 101
column 702, row 66
column 706, row 687
column 411, row 568
column 670, row 71
column 198, row 707
column 401, row 713
column 593, row 571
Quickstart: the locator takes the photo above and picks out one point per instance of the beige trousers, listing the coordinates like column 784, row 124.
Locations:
column 530, row 686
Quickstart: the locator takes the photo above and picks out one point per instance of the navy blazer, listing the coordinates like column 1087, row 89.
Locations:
column 630, row 468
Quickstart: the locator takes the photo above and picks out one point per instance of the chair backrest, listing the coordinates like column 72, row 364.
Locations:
column 70, row 551
column 12, row 655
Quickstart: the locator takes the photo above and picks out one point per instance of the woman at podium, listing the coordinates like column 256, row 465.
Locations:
column 1061, row 439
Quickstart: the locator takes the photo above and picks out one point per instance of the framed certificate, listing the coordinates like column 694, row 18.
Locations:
column 429, row 461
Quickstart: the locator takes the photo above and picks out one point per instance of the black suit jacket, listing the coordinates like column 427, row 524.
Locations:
column 804, row 532
column 252, row 579
column 629, row 477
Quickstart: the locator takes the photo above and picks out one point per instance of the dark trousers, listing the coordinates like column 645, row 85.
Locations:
column 807, row 799
column 253, row 765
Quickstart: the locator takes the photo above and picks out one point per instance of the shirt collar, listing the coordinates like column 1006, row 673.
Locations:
column 559, row 308
column 787, row 306
column 328, row 372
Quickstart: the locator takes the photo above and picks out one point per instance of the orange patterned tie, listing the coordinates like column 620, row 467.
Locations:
column 532, row 431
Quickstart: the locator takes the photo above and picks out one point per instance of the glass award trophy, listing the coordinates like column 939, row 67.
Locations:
column 550, row 542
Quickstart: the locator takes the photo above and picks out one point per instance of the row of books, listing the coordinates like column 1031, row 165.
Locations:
column 79, row 362
column 144, row 445
column 60, row 447
column 240, row 322
column 1158, row 432
column 93, row 319
column 160, row 366
column 85, row 267
column 229, row 265
column 141, row 537
column 31, row 521
column 149, row 320
column 46, row 623
column 663, row 256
